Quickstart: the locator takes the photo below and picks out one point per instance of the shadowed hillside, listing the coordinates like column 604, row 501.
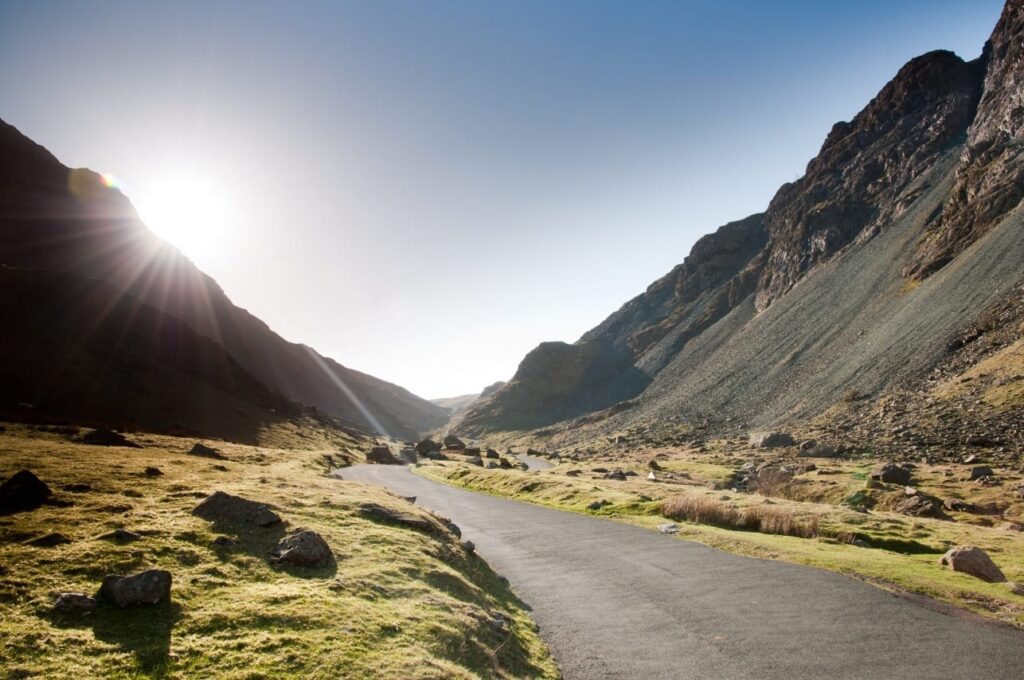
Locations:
column 53, row 218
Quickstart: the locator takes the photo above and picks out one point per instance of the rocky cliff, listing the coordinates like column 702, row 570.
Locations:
column 915, row 166
column 53, row 218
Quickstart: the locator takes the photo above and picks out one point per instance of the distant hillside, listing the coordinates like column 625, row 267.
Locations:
column 857, row 277
column 56, row 219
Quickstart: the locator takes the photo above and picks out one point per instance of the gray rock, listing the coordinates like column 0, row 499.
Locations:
column 890, row 473
column 103, row 437
column 303, row 549
column 979, row 471
column 770, row 440
column 153, row 472
column 145, row 588
column 223, row 507
column 454, row 443
column 407, row 455
column 668, row 528
column 427, row 447
column 74, row 603
column 381, row 455
column 974, row 561
column 50, row 540
column 382, row 513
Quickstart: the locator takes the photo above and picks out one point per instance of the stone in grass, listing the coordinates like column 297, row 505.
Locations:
column 145, row 588
column 51, row 540
column 223, row 507
column 303, row 549
column 974, row 561
column 770, row 440
column 204, row 451
column 382, row 513
column 23, row 491
column 668, row 528
column 597, row 505
column 74, row 603
column 104, row 437
column 891, row 473
column 153, row 472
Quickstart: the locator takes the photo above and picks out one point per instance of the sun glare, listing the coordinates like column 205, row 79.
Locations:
column 189, row 211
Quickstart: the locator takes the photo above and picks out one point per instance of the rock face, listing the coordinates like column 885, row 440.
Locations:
column 973, row 561
column 145, row 588
column 732, row 334
column 223, row 507
column 990, row 175
column 23, row 491
column 303, row 549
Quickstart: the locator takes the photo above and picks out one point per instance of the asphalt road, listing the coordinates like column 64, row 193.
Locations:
column 533, row 462
column 618, row 601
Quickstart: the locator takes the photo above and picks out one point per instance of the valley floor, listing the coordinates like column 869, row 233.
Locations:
column 398, row 602
column 619, row 601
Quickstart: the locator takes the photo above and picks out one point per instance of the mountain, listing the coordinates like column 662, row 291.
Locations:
column 55, row 220
column 857, row 277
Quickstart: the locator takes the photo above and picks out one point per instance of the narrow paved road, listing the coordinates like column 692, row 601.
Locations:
column 618, row 601
column 533, row 462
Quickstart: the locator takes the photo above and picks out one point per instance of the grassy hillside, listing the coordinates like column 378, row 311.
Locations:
column 398, row 603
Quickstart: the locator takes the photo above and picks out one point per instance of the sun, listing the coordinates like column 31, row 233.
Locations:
column 188, row 210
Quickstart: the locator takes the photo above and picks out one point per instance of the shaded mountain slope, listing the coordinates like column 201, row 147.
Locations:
column 776, row 316
column 78, row 350
column 60, row 219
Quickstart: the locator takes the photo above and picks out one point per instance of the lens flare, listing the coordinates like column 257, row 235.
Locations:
column 109, row 181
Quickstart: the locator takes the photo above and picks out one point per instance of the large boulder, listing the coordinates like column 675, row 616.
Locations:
column 223, row 507
column 303, row 549
column 427, row 447
column 770, row 440
column 920, row 505
column 891, row 473
column 23, row 491
column 145, row 588
column 381, row 455
column 454, row 443
column 103, row 437
column 979, row 471
column 974, row 561
column 408, row 456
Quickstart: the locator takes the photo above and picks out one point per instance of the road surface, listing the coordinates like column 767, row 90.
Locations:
column 618, row 601
column 533, row 462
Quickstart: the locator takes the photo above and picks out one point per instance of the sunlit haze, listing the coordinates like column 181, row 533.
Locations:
column 426, row 190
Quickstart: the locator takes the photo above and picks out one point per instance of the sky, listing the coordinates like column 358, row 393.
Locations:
column 424, row 191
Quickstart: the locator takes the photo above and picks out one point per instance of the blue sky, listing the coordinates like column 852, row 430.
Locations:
column 426, row 190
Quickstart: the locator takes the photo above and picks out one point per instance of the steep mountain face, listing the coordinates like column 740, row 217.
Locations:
column 990, row 176
column 53, row 218
column 775, row 316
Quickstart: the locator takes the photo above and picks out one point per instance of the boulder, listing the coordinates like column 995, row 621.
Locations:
column 145, row 588
column 471, row 450
column 407, row 455
column 102, row 437
column 204, row 451
column 616, row 475
column 454, row 443
column 891, row 473
column 974, row 561
column 535, row 453
column 668, row 528
column 303, row 549
column 153, row 472
column 770, row 440
column 78, row 487
column 491, row 465
column 385, row 514
column 427, row 447
column 504, row 464
column 651, row 477
column 979, row 471
column 653, row 464
column 808, row 444
column 920, row 505
column 74, row 603
column 50, row 540
column 23, row 491
column 381, row 455
column 817, row 451
column 491, row 453
column 469, row 547
column 223, row 507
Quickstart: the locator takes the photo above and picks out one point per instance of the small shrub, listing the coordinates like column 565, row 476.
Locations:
column 766, row 519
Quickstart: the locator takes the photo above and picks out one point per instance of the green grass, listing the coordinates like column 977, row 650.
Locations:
column 399, row 603
column 902, row 551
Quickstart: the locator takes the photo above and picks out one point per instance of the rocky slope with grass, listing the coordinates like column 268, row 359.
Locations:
column 858, row 278
column 56, row 219
column 166, row 560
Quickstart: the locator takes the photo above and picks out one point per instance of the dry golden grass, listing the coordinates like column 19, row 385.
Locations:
column 767, row 519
